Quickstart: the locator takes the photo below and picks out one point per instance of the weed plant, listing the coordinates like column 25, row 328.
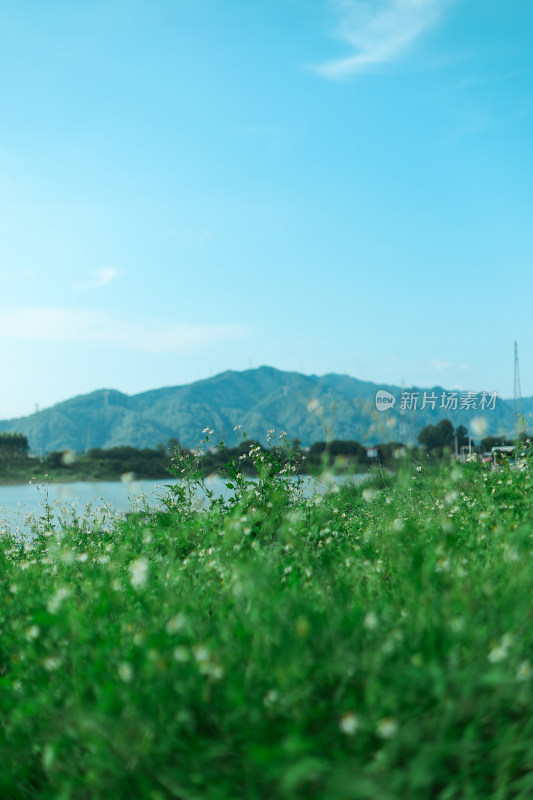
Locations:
column 371, row 644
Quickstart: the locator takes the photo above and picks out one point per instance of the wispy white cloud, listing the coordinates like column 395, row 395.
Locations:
column 437, row 364
column 100, row 278
column 378, row 31
column 441, row 365
column 62, row 325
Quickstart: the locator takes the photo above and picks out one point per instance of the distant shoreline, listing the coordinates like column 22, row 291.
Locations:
column 70, row 479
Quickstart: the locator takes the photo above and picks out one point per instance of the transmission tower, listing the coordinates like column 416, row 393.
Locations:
column 518, row 412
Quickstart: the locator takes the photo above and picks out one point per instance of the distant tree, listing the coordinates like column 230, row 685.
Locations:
column 316, row 449
column 54, row 460
column 462, row 436
column 350, row 450
column 390, row 451
column 494, row 441
column 96, row 452
column 434, row 436
column 13, row 445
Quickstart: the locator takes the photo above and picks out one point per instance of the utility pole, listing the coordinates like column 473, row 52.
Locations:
column 517, row 406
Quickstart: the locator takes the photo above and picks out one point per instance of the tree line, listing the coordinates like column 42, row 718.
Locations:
column 111, row 463
column 340, row 455
column 13, row 445
column 436, row 439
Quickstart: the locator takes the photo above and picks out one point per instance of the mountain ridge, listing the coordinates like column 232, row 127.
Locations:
column 308, row 407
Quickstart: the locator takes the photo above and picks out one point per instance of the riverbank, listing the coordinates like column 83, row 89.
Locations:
column 119, row 462
column 62, row 478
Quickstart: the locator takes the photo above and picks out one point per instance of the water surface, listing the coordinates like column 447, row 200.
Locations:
column 107, row 498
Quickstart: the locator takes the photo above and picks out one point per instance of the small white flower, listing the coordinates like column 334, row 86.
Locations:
column 511, row 554
column 216, row 671
column 497, row 654
column 201, row 653
column 271, row 697
column 56, row 600
column 176, row 623
column 457, row 625
column 68, row 457
column 349, row 723
column 33, row 632
column 139, row 572
column 478, row 426
column 387, row 728
column 125, row 672
column 181, row 653
column 524, row 671
column 371, row 621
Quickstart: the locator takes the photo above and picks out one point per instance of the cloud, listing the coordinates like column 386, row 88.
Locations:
column 61, row 325
column 436, row 364
column 440, row 365
column 101, row 278
column 379, row 31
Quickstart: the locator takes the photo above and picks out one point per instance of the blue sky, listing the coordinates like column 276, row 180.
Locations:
column 190, row 186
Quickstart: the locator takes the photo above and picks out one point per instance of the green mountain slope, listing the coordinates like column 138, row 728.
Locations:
column 307, row 407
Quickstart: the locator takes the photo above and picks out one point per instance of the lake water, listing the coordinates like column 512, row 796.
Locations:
column 105, row 498
column 109, row 497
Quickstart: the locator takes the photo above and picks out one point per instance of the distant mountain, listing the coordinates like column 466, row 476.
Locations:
column 307, row 407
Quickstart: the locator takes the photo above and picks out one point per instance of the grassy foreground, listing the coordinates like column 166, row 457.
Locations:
column 376, row 643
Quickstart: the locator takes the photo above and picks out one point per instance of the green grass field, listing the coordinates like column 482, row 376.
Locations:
column 376, row 643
